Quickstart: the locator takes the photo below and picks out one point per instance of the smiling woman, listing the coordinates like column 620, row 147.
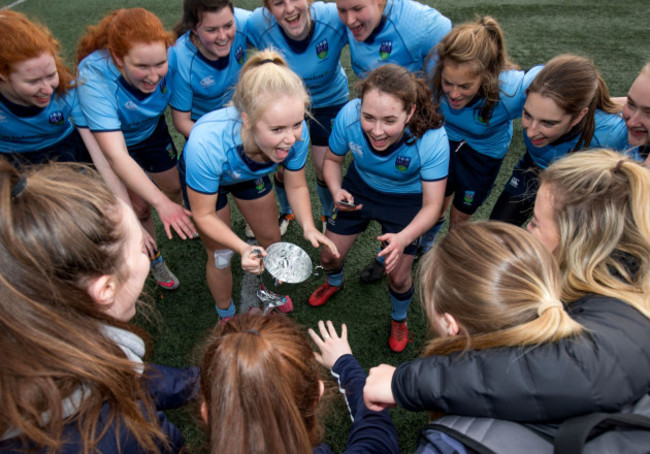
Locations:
column 123, row 94
column 567, row 109
column 232, row 151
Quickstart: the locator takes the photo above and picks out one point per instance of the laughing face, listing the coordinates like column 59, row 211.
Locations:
column 360, row 16
column 460, row 83
column 31, row 82
column 636, row 111
column 383, row 118
column 278, row 127
column 144, row 65
column 293, row 16
column 544, row 121
column 216, row 32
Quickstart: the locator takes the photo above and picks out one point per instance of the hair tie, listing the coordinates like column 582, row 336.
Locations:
column 617, row 169
column 19, row 187
column 547, row 304
column 252, row 331
column 265, row 61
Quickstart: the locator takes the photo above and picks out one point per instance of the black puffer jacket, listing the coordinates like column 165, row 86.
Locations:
column 602, row 370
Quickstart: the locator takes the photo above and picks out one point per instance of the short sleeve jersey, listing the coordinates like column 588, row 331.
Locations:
column 490, row 136
column 110, row 103
column 317, row 59
column 24, row 129
column 610, row 132
column 200, row 85
column 214, row 154
column 407, row 32
column 401, row 169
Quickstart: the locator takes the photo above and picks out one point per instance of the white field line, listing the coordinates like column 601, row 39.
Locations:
column 17, row 2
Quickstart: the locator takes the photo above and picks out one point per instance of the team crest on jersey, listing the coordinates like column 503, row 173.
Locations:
column 402, row 163
column 163, row 86
column 385, row 49
column 240, row 55
column 469, row 197
column 259, row 184
column 56, row 118
column 355, row 149
column 322, row 49
column 207, row 82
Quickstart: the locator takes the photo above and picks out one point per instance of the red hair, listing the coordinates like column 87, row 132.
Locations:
column 121, row 30
column 22, row 39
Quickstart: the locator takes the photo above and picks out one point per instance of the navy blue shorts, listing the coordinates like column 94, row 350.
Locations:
column 69, row 149
column 392, row 211
column 246, row 190
column 471, row 176
column 157, row 153
column 517, row 201
column 320, row 126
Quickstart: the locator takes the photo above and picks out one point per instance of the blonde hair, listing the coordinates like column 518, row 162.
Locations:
column 499, row 283
column 600, row 201
column 263, row 78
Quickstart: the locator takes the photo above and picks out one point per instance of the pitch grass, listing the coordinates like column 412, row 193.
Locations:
column 613, row 34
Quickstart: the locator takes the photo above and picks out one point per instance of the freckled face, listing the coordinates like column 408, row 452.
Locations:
column 144, row 65
column 31, row 82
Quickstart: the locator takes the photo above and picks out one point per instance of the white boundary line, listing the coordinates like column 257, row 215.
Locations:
column 17, row 2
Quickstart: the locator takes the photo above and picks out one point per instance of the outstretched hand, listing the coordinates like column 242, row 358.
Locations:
column 331, row 346
column 377, row 393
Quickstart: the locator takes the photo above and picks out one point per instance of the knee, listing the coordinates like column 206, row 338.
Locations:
column 328, row 261
column 142, row 211
column 399, row 283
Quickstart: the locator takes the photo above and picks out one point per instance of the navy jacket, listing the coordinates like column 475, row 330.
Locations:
column 600, row 371
column 169, row 387
column 372, row 432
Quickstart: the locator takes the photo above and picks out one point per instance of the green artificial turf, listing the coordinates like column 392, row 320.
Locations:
column 613, row 34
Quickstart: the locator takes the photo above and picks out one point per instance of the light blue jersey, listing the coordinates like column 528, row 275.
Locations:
column 400, row 171
column 214, row 154
column 610, row 132
column 26, row 129
column 200, row 85
column 112, row 104
column 316, row 59
column 490, row 136
column 407, row 32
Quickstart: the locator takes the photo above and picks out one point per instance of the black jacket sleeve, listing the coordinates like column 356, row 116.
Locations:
column 601, row 370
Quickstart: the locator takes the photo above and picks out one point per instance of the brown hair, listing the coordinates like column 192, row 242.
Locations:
column 573, row 83
column 60, row 228
column 193, row 11
column 480, row 44
column 22, row 39
column 500, row 284
column 410, row 90
column 600, row 202
column 121, row 30
column 260, row 381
